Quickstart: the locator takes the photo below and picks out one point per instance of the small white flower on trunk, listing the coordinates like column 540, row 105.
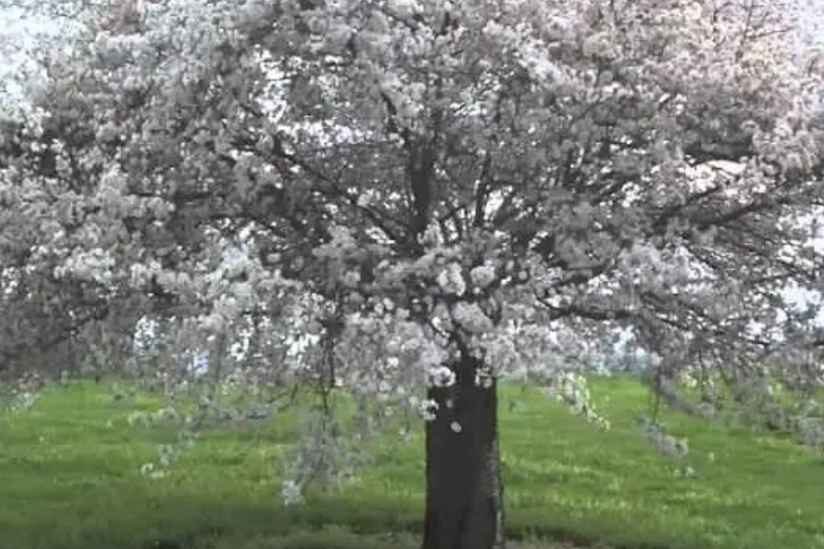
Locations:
column 428, row 409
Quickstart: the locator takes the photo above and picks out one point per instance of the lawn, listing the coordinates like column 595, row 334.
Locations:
column 69, row 479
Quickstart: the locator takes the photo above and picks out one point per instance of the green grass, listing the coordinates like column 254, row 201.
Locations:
column 69, row 480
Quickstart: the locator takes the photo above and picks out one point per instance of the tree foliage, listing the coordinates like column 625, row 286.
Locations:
column 591, row 165
column 406, row 185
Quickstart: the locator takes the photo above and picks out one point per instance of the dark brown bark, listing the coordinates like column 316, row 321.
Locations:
column 464, row 493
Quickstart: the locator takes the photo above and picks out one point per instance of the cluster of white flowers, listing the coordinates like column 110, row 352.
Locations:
column 440, row 376
column 427, row 408
column 405, row 7
column 483, row 275
column 599, row 45
column 219, row 319
column 484, row 377
column 23, row 401
column 150, row 471
column 502, row 352
column 431, row 354
column 291, row 493
column 342, row 241
column 235, row 261
column 471, row 318
column 451, row 279
column 571, row 389
column 142, row 273
column 92, row 265
column 351, row 279
column 168, row 455
column 147, row 419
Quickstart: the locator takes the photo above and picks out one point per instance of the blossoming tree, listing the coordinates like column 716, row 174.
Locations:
column 425, row 190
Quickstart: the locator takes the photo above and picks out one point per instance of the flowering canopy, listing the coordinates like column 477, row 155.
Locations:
column 473, row 164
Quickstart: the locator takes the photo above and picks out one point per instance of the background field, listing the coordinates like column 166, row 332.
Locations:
column 69, row 479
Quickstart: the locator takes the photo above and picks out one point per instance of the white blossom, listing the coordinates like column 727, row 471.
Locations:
column 451, row 279
column 483, row 275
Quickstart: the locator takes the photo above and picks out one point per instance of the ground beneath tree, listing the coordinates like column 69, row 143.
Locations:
column 70, row 479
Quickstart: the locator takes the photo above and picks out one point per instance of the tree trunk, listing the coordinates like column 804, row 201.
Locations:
column 464, row 492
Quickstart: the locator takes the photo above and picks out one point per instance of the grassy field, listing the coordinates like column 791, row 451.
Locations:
column 69, row 479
